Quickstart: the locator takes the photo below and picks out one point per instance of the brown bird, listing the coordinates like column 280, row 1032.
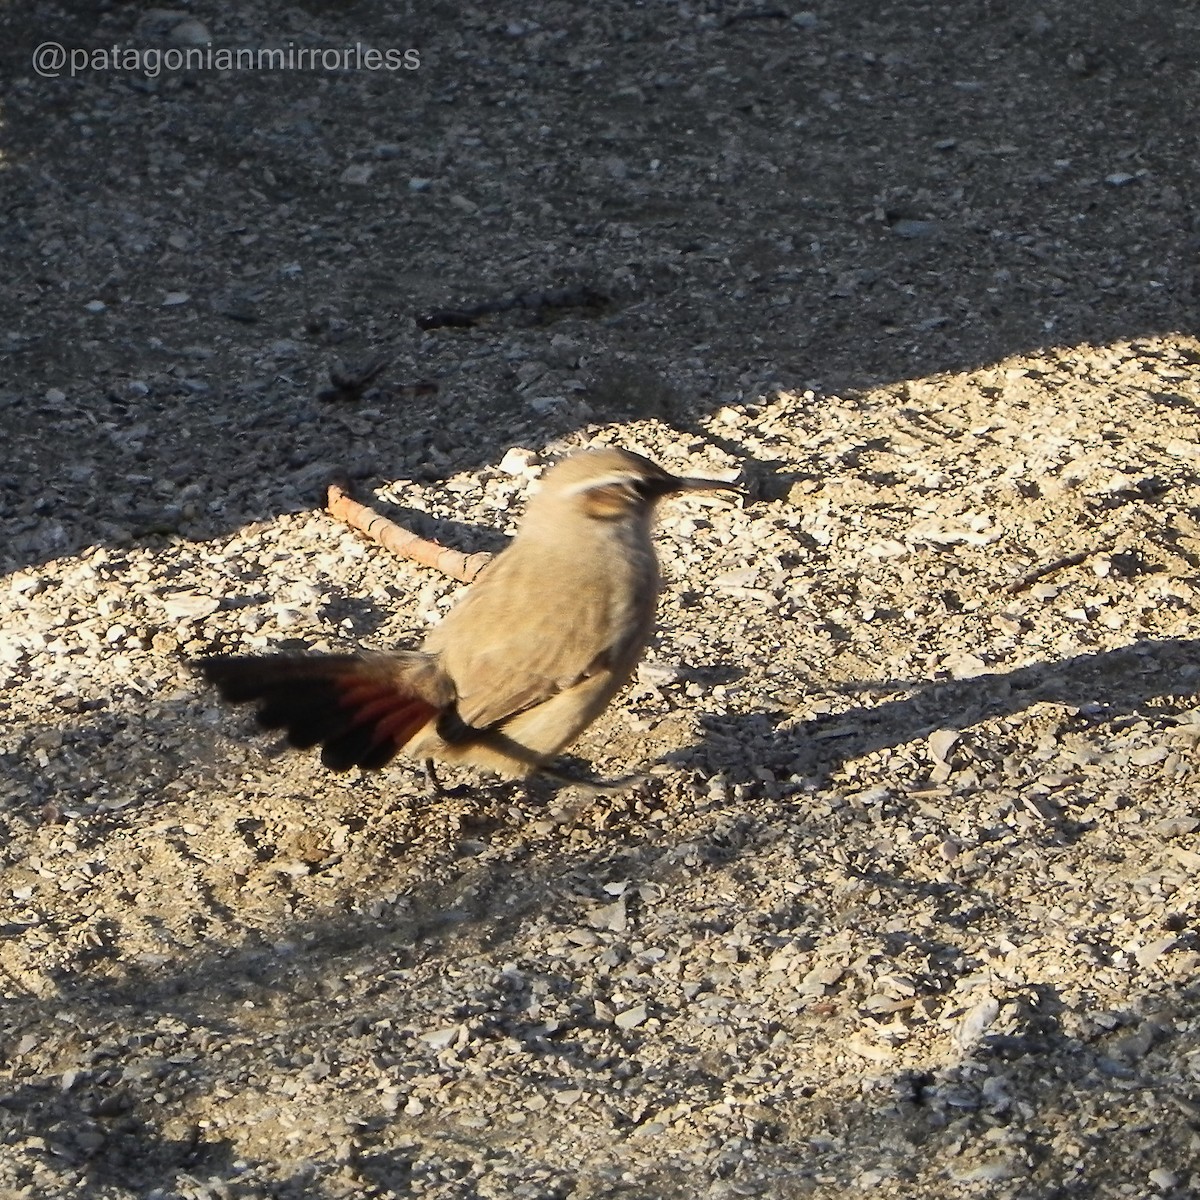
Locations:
column 543, row 639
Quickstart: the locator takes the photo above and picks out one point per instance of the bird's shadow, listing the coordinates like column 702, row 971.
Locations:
column 1101, row 687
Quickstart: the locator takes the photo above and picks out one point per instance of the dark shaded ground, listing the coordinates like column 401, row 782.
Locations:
column 877, row 195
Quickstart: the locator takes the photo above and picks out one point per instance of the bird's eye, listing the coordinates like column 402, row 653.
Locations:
column 651, row 487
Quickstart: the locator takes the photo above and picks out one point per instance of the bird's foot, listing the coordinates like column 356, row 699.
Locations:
column 438, row 790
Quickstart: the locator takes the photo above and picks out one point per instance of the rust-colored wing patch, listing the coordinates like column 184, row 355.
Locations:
column 361, row 711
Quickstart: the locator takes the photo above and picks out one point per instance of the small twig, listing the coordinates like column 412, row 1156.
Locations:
column 541, row 303
column 1059, row 564
column 403, row 541
column 755, row 14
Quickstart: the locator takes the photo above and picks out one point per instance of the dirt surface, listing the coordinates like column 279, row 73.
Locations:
column 910, row 906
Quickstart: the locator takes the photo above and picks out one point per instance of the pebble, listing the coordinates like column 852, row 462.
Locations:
column 907, row 228
column 185, row 605
column 1170, row 827
column 1149, row 755
column 991, row 1172
column 962, row 665
column 1149, row 954
column 631, row 1018
column 519, row 462
column 941, row 742
column 357, row 174
column 977, row 1022
column 657, row 674
column 191, row 33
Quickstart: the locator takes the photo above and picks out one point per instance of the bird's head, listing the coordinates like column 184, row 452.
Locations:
column 611, row 484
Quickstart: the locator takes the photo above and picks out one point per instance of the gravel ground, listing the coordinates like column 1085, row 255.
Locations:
column 910, row 905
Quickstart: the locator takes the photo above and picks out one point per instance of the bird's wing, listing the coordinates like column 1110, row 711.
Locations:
column 508, row 647
column 361, row 708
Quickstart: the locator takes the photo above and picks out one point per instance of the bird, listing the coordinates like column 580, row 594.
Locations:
column 534, row 651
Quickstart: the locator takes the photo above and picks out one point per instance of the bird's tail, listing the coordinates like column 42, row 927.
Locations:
column 361, row 708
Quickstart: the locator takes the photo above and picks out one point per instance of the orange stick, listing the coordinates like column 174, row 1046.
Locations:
column 403, row 541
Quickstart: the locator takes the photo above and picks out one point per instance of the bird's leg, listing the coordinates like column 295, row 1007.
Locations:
column 432, row 782
column 438, row 790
